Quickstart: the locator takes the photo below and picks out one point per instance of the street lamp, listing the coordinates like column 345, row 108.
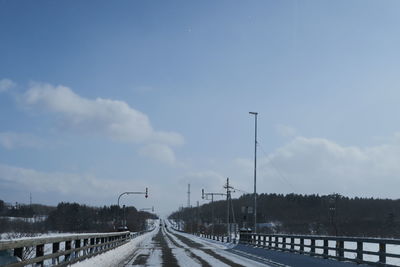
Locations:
column 146, row 194
column 255, row 169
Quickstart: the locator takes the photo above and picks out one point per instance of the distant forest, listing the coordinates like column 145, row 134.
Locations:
column 302, row 214
column 68, row 217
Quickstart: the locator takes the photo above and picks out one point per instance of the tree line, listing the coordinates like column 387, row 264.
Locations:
column 301, row 214
column 70, row 217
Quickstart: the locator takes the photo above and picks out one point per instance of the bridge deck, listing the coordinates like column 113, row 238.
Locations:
column 291, row 259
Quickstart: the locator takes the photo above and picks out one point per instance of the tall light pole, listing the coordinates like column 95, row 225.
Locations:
column 145, row 193
column 255, row 169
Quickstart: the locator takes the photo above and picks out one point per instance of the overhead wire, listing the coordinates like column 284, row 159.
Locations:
column 280, row 174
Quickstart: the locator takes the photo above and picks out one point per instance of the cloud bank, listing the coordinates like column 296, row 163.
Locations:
column 112, row 118
column 65, row 185
column 320, row 166
column 11, row 140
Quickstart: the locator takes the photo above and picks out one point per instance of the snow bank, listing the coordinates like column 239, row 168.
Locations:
column 115, row 256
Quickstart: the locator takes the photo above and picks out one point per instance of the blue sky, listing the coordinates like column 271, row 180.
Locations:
column 110, row 96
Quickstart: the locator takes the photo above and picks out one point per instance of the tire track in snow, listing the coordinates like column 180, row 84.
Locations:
column 168, row 258
column 191, row 254
column 192, row 244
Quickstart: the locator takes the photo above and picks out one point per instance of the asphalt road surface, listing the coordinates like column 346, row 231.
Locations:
column 168, row 248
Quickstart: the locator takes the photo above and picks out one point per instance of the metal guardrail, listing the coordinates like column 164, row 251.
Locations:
column 220, row 238
column 332, row 247
column 63, row 250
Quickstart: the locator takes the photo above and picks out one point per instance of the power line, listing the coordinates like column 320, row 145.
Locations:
column 280, row 174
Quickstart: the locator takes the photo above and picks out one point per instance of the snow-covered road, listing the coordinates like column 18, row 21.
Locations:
column 166, row 247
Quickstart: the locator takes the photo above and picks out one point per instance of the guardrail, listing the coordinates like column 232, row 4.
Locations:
column 220, row 238
column 63, row 250
column 371, row 251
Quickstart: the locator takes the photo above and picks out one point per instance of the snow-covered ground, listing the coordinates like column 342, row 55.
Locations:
column 34, row 219
column 21, row 236
column 117, row 255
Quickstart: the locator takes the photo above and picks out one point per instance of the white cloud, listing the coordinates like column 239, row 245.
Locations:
column 11, row 140
column 316, row 165
column 6, row 84
column 53, row 187
column 112, row 118
column 159, row 152
column 285, row 130
column 64, row 184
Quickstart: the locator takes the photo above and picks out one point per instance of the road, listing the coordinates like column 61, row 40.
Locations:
column 166, row 247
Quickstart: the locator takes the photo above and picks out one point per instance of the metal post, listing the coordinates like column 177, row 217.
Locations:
column 40, row 253
column 129, row 193
column 203, row 195
column 227, row 206
column 212, row 215
column 188, row 200
column 255, row 170
column 382, row 253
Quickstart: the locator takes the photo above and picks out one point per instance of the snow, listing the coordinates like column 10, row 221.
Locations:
column 182, row 256
column 34, row 219
column 218, row 247
column 117, row 255
column 22, row 236
column 155, row 258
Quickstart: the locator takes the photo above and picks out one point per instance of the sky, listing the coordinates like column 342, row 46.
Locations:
column 102, row 97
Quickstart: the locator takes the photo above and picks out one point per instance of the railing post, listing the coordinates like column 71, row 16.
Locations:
column 265, row 241
column 270, row 241
column 359, row 252
column 98, row 241
column 92, row 242
column 67, row 247
column 40, row 253
column 382, row 253
column 326, row 248
column 312, row 250
column 284, row 243
column 77, row 245
column 301, row 245
column 18, row 252
column 292, row 244
column 340, row 249
column 56, row 248
column 85, row 243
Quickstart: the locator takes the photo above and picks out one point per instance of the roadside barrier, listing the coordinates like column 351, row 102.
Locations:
column 371, row 251
column 63, row 250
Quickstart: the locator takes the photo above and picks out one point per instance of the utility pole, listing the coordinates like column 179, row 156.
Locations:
column 197, row 217
column 228, row 196
column 255, row 170
column 188, row 200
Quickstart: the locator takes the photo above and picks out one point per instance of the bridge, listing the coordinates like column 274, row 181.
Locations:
column 166, row 246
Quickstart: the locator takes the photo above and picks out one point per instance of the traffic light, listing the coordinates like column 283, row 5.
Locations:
column 147, row 193
column 202, row 193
